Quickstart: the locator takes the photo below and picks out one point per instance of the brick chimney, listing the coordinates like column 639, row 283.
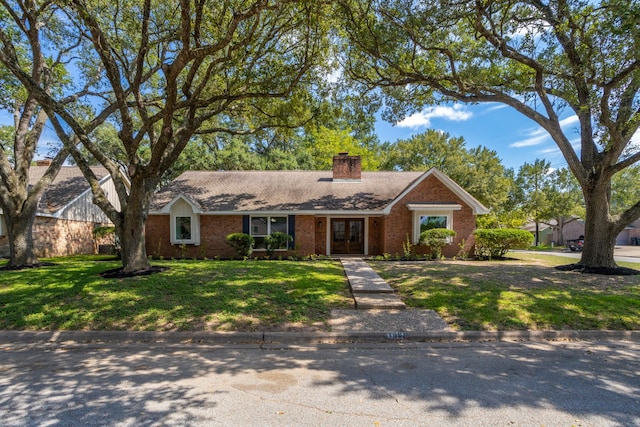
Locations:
column 43, row 162
column 347, row 168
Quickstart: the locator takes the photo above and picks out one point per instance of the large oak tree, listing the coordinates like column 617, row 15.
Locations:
column 542, row 58
column 20, row 195
column 170, row 71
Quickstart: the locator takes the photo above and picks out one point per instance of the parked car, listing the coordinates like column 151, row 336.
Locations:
column 576, row 245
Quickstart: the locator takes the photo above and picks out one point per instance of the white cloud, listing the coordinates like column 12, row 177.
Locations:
column 554, row 150
column 423, row 119
column 535, row 137
column 569, row 121
column 539, row 136
column 495, row 107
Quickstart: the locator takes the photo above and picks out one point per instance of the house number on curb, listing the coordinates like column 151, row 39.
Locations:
column 395, row 335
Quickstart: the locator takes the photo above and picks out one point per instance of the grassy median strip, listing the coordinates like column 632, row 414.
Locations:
column 521, row 293
column 191, row 295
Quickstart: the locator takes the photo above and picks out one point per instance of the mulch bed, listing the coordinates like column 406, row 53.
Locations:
column 617, row 271
column 119, row 273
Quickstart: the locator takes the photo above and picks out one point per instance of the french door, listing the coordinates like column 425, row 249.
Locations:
column 347, row 236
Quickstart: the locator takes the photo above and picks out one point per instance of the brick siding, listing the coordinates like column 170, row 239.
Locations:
column 347, row 167
column 386, row 234
column 398, row 225
column 213, row 232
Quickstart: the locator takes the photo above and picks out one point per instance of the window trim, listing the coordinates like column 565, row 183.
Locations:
column 420, row 210
column 195, row 229
column 286, row 218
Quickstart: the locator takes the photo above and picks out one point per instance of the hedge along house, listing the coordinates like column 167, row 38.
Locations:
column 66, row 215
column 340, row 212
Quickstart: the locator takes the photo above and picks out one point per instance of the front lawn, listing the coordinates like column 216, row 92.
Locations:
column 191, row 295
column 522, row 293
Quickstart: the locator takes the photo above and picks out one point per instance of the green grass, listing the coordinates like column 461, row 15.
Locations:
column 523, row 293
column 191, row 295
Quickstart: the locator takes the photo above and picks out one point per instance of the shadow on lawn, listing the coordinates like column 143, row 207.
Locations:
column 515, row 296
column 205, row 295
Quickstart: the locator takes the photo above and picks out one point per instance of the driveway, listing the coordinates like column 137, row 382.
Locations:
column 628, row 251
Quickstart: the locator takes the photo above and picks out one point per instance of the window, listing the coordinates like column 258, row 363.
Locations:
column 185, row 224
column 262, row 226
column 427, row 216
column 427, row 222
column 183, row 228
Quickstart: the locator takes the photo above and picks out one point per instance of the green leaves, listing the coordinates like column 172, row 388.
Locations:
column 436, row 239
column 242, row 243
column 495, row 243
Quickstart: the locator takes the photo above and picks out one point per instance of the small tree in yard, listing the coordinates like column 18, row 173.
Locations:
column 241, row 242
column 436, row 239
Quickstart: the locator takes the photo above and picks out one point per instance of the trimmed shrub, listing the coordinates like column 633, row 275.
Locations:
column 241, row 242
column 276, row 240
column 436, row 239
column 496, row 242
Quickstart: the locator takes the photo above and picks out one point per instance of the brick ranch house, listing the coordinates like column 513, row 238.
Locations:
column 344, row 211
column 66, row 214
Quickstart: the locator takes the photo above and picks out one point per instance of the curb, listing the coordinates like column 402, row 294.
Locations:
column 292, row 338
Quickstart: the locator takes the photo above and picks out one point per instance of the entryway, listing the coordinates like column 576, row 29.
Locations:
column 347, row 236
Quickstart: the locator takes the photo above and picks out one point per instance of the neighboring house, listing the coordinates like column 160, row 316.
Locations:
column 630, row 235
column 550, row 233
column 575, row 229
column 66, row 215
column 344, row 211
column 545, row 232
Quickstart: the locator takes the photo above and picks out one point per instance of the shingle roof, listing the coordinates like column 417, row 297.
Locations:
column 66, row 187
column 284, row 191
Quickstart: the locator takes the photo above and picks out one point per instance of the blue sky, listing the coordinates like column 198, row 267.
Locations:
column 513, row 136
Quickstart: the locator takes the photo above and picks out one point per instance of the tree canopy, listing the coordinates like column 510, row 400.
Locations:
column 478, row 170
column 544, row 59
column 20, row 195
column 163, row 73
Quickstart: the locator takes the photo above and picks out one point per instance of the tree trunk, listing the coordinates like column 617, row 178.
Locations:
column 132, row 231
column 600, row 231
column 560, row 241
column 20, row 236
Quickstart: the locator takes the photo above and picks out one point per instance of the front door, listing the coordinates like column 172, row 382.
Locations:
column 347, row 236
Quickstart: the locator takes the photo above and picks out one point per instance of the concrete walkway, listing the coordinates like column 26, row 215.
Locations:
column 378, row 308
column 369, row 290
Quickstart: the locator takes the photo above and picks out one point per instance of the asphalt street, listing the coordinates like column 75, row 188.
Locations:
column 570, row 383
